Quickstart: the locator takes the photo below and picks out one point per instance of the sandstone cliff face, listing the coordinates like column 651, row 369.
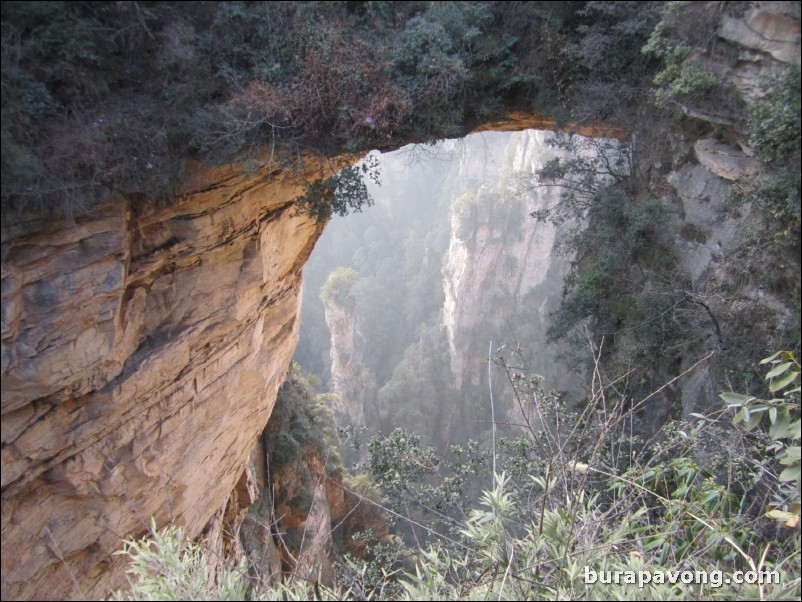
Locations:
column 503, row 274
column 307, row 525
column 710, row 229
column 141, row 353
column 349, row 379
column 307, row 513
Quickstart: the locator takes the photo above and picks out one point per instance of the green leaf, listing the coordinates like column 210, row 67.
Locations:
column 784, row 381
column 680, row 492
column 791, row 473
column 788, row 430
column 770, row 359
column 791, row 455
column 654, row 543
column 736, row 399
column 789, row 518
column 754, row 420
column 746, row 414
column 777, row 370
column 779, row 428
column 713, row 495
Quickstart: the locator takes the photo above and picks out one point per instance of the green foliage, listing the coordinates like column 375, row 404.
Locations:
column 610, row 36
column 443, row 56
column 681, row 79
column 693, row 233
column 300, row 420
column 681, row 493
column 338, row 194
column 20, row 166
column 418, row 484
column 32, row 97
column 418, row 395
column 168, row 566
column 784, row 427
column 776, row 127
column 624, row 281
column 775, row 122
column 559, row 528
column 620, row 233
column 500, row 211
column 488, row 527
column 540, row 540
column 340, row 287
column 60, row 31
column 399, row 459
column 608, row 231
column 153, row 83
column 583, row 169
column 226, row 79
column 362, row 484
column 556, row 553
column 262, row 41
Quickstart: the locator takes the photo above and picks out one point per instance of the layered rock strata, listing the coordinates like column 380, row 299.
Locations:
column 142, row 349
column 503, row 273
column 350, row 380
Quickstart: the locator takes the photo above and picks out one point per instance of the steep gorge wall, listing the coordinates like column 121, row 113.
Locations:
column 497, row 253
column 503, row 274
column 712, row 232
column 348, row 374
column 141, row 354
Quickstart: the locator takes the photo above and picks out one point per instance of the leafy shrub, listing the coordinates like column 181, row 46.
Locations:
column 775, row 122
column 784, row 429
column 776, row 127
column 610, row 37
column 583, row 169
column 624, row 281
column 682, row 27
column 338, row 194
column 299, row 420
column 538, row 537
column 168, row 566
column 619, row 234
column 444, row 56
column 578, row 513
column 136, row 88
column 340, row 287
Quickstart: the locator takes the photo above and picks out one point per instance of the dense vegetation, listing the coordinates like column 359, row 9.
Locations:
column 104, row 98
column 573, row 501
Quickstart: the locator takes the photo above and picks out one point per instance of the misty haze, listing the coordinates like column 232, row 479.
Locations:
column 401, row 300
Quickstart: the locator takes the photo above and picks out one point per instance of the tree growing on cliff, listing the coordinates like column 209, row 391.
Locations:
column 340, row 287
column 342, row 193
